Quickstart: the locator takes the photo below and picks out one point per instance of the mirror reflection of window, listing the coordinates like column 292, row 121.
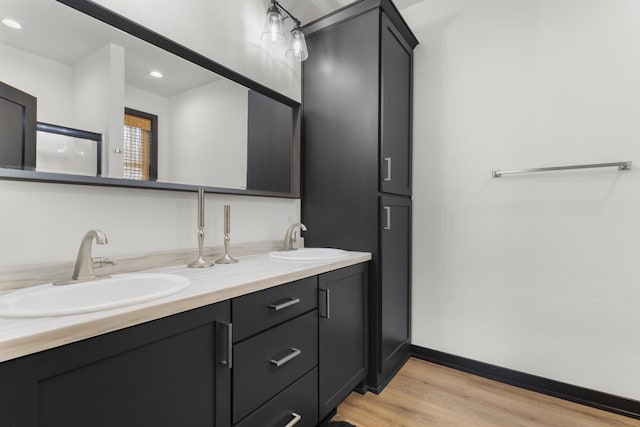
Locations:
column 140, row 145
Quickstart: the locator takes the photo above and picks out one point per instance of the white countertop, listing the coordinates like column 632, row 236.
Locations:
column 20, row 337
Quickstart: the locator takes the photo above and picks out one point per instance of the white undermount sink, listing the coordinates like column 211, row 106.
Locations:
column 309, row 254
column 83, row 297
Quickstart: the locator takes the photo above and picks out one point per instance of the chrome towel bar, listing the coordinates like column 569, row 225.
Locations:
column 623, row 166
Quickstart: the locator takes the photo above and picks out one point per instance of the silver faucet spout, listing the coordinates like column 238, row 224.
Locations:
column 290, row 236
column 84, row 262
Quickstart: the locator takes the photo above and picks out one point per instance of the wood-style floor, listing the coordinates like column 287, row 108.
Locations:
column 424, row 394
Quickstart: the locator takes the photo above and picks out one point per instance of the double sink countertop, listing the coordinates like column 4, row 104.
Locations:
column 24, row 336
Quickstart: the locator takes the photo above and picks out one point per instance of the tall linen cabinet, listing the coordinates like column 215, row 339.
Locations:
column 356, row 171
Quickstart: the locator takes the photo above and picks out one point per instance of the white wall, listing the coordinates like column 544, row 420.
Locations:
column 207, row 141
column 45, row 222
column 228, row 31
column 536, row 273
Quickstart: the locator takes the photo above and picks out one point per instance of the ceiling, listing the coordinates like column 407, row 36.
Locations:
column 52, row 32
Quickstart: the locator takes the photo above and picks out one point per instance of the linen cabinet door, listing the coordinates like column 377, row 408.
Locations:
column 395, row 107
column 343, row 334
column 395, row 266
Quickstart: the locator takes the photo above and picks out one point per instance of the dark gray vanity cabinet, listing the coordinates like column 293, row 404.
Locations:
column 343, row 334
column 169, row 372
column 356, row 140
column 263, row 359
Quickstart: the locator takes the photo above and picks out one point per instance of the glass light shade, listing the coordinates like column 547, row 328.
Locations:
column 297, row 49
column 273, row 33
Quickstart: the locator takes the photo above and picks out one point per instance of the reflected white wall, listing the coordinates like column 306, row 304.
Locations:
column 202, row 133
column 98, row 93
column 49, row 81
column 207, row 141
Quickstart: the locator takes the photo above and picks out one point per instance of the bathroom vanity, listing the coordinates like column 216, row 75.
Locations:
column 265, row 342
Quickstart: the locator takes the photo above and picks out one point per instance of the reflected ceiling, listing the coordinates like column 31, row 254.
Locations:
column 54, row 33
column 310, row 10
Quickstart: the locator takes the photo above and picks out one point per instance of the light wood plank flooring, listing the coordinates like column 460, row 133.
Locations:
column 424, row 395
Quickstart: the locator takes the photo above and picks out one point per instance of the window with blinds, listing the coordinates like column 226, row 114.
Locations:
column 137, row 146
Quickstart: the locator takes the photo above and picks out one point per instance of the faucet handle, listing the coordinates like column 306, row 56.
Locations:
column 297, row 232
column 99, row 262
column 290, row 236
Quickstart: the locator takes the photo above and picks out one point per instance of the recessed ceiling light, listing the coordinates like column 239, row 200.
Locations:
column 12, row 24
column 156, row 74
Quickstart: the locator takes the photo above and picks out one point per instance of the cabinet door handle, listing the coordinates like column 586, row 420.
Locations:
column 288, row 303
column 387, row 210
column 294, row 421
column 294, row 353
column 327, row 304
column 229, row 342
column 388, row 161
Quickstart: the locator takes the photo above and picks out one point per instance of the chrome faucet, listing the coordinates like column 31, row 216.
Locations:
column 290, row 236
column 83, row 271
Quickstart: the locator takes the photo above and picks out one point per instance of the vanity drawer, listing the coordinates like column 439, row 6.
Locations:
column 256, row 374
column 261, row 310
column 299, row 399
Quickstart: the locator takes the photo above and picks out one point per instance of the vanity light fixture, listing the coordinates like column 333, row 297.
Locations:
column 156, row 74
column 297, row 45
column 12, row 23
column 273, row 33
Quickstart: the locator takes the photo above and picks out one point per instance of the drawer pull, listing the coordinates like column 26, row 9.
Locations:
column 294, row 353
column 288, row 303
column 294, row 421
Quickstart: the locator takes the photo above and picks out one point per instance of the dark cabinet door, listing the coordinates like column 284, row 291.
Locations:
column 169, row 372
column 395, row 266
column 17, row 128
column 340, row 173
column 270, row 144
column 395, row 110
column 343, row 334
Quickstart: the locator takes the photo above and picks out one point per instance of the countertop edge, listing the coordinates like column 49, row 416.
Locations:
column 18, row 347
